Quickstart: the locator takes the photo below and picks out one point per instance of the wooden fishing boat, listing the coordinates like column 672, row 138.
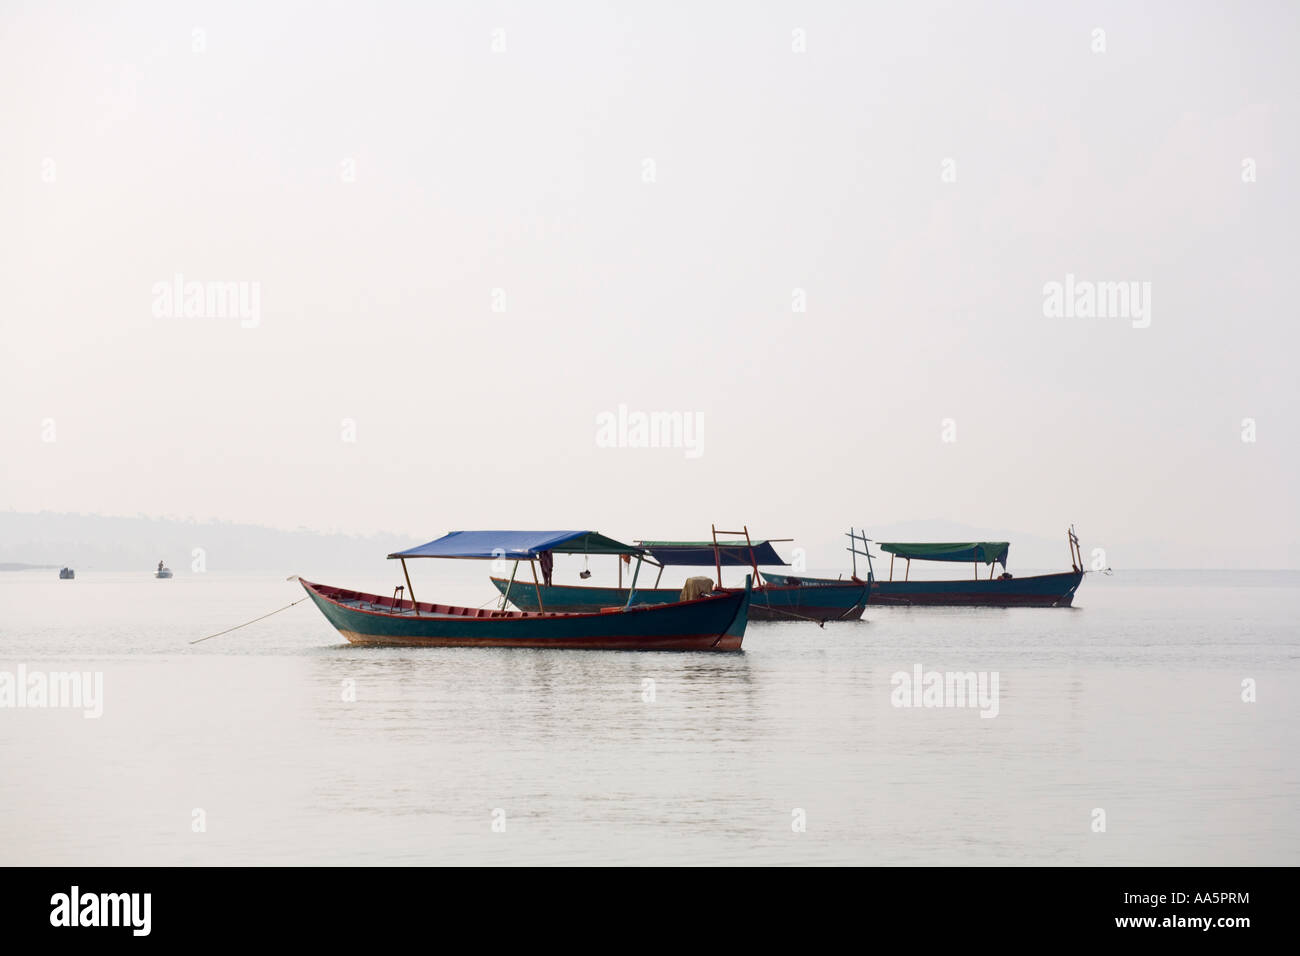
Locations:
column 772, row 600
column 714, row 622
column 1038, row 590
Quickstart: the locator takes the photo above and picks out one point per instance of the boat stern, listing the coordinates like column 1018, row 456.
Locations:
column 733, row 636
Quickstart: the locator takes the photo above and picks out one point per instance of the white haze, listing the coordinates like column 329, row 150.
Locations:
column 130, row 157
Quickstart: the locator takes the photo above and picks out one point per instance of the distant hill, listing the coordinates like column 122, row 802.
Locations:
column 102, row 543
column 47, row 539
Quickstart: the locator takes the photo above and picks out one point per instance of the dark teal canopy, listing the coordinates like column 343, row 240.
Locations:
column 731, row 554
column 986, row 552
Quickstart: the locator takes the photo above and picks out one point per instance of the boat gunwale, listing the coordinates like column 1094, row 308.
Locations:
column 313, row 587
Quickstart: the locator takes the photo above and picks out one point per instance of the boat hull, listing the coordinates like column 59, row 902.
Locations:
column 1038, row 590
column 714, row 623
column 842, row 601
column 837, row 601
column 578, row 599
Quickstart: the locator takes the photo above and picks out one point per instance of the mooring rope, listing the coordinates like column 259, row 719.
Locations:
column 246, row 623
column 799, row 617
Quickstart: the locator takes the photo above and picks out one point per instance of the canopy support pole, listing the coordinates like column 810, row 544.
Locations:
column 752, row 560
column 619, row 559
column 410, row 590
column 908, row 576
column 717, row 557
column 537, row 585
column 659, row 576
column 505, row 598
column 631, row 594
column 891, row 567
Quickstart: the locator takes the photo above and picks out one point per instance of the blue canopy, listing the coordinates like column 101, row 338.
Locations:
column 700, row 553
column 516, row 545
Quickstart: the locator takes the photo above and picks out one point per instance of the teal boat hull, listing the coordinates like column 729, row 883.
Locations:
column 575, row 599
column 1038, row 590
column 838, row 601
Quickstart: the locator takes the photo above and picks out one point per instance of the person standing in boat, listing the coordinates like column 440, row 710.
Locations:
column 160, row 566
column 547, row 561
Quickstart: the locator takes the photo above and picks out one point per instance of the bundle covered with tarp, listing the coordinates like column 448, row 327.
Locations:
column 985, row 552
column 696, row 587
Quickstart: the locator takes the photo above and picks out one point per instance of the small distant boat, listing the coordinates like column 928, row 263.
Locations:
column 163, row 572
column 713, row 622
column 774, row 600
column 1037, row 590
column 67, row 574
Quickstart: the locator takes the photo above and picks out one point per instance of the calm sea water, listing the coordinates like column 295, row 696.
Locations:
column 1130, row 703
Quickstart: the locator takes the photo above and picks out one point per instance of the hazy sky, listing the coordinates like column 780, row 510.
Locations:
column 473, row 227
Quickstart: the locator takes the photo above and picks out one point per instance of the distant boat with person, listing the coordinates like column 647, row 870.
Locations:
column 163, row 572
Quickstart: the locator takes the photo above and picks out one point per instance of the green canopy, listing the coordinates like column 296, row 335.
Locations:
column 986, row 552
